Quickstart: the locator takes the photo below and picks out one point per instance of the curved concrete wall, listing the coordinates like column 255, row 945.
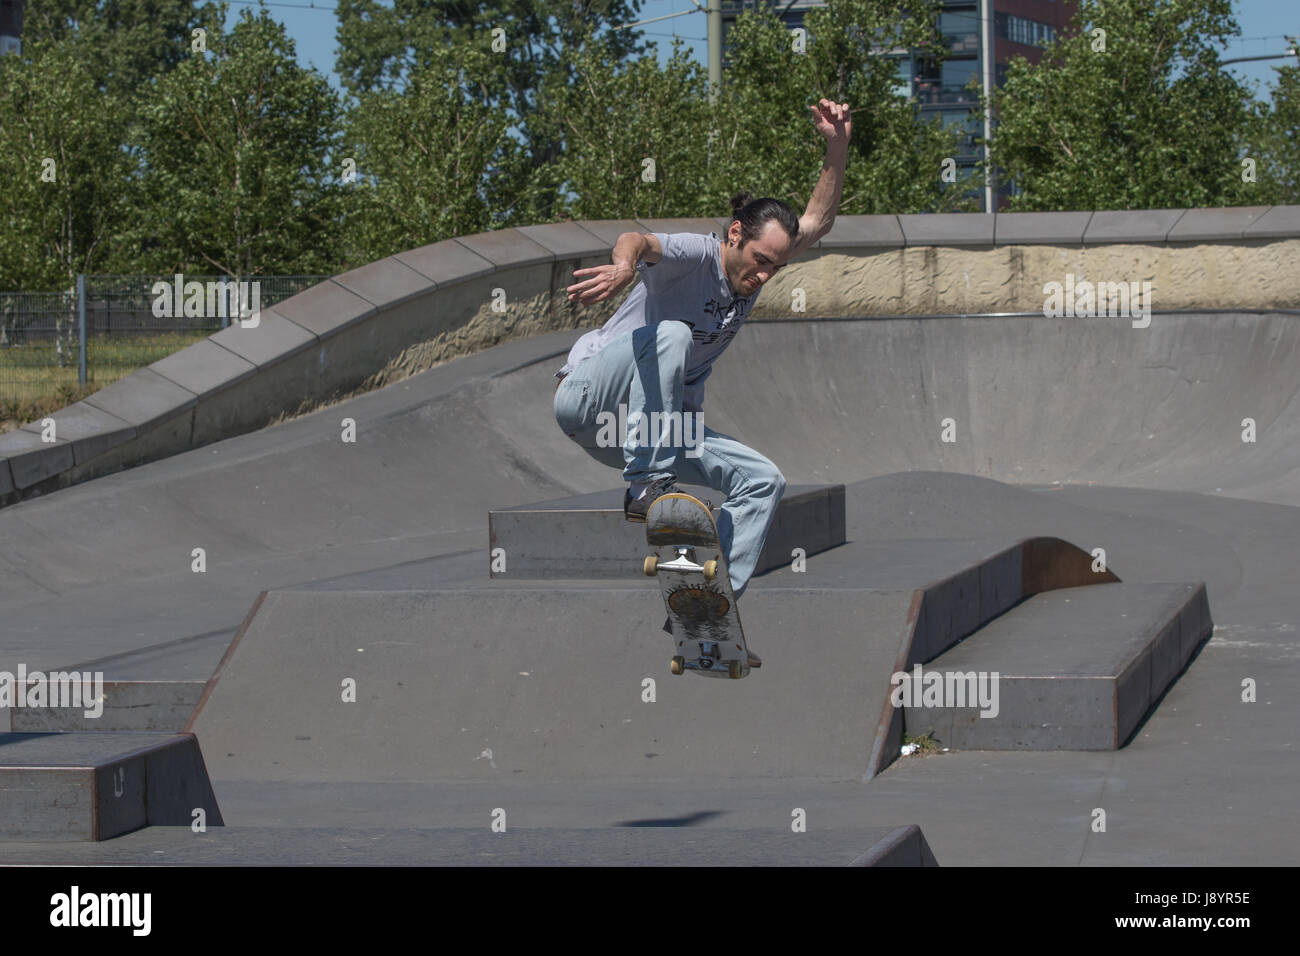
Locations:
column 404, row 314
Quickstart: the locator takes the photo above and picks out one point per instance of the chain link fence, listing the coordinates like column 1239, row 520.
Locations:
column 56, row 344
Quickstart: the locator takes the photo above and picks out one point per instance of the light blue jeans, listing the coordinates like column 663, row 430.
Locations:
column 645, row 370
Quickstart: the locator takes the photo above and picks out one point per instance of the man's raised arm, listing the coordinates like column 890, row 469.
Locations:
column 832, row 121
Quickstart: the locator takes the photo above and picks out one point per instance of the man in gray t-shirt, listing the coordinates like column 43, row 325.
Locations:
column 687, row 283
column 654, row 354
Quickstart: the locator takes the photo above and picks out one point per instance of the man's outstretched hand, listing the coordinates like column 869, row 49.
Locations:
column 606, row 281
column 832, row 121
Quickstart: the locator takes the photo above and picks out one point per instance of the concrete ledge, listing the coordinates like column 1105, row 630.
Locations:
column 95, row 786
column 384, row 284
column 204, row 367
column 507, row 248
column 1078, row 668
column 608, row 230
column 144, row 399
column 1280, row 222
column 863, row 231
column 588, row 537
column 32, row 460
column 703, row 225
column 325, row 309
column 949, row 610
column 947, row 229
column 905, row 846
column 1129, row 226
column 1212, row 225
column 566, row 240
column 1040, row 228
column 90, row 431
column 152, row 706
column 445, row 262
column 404, row 314
column 272, row 340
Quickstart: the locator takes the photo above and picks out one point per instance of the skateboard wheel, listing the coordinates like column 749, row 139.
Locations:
column 710, row 570
column 677, row 665
column 733, row 670
column 651, row 566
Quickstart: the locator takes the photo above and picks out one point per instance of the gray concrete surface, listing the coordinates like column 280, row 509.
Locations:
column 1084, row 429
column 1076, row 668
column 390, row 318
column 648, row 843
column 588, row 536
column 86, row 787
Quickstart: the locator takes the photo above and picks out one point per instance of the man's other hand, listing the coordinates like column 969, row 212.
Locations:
column 605, row 281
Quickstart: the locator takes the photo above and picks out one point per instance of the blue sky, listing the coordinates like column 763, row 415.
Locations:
column 1263, row 24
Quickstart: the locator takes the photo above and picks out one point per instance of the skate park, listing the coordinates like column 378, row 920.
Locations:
column 354, row 596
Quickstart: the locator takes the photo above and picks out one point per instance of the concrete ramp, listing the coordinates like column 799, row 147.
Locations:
column 1032, row 400
column 564, row 680
column 546, row 683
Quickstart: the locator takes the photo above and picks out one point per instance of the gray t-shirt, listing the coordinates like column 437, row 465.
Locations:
column 686, row 284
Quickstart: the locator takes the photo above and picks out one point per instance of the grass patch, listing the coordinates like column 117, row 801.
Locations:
column 926, row 744
column 33, row 385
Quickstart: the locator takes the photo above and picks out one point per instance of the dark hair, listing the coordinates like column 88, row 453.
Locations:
column 754, row 215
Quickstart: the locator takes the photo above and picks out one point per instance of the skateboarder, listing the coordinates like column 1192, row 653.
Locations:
column 651, row 359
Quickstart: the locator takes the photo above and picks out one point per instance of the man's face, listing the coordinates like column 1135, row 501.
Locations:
column 749, row 268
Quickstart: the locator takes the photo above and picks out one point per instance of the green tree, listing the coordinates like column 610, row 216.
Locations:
column 765, row 140
column 241, row 176
column 125, row 44
column 63, row 167
column 517, row 70
column 636, row 137
column 620, row 117
column 1150, row 121
column 1276, row 143
column 423, row 159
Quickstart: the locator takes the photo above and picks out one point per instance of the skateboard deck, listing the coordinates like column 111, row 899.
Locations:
column 692, row 573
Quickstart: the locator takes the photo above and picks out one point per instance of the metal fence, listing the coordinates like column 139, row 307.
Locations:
column 124, row 320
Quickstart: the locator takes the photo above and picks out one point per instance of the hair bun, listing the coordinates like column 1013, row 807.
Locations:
column 740, row 201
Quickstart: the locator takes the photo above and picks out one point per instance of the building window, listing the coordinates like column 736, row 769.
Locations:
column 957, row 73
column 904, row 85
column 1019, row 30
column 961, row 29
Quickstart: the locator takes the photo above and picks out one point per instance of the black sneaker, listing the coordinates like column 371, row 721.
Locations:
column 637, row 510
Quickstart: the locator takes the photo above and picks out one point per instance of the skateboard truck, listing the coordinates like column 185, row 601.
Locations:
column 707, row 662
column 684, row 562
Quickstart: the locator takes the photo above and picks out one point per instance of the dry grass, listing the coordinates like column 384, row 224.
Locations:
column 32, row 385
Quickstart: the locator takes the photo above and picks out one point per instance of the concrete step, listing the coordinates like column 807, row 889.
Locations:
column 122, row 705
column 1076, row 669
column 57, row 787
column 588, row 537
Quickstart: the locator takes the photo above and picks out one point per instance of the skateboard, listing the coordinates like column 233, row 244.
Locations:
column 693, row 577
